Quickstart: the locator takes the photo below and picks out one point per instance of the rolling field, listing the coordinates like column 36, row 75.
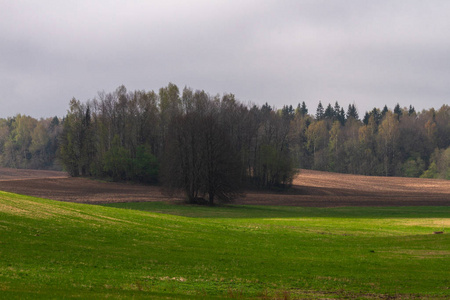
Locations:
column 164, row 250
column 310, row 188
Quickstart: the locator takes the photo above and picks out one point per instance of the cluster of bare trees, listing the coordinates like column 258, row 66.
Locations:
column 199, row 157
column 29, row 143
column 206, row 146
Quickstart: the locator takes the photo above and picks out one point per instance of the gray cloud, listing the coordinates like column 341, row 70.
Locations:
column 280, row 52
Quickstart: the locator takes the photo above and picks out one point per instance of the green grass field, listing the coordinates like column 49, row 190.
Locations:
column 51, row 249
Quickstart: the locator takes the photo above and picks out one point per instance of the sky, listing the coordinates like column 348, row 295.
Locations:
column 367, row 53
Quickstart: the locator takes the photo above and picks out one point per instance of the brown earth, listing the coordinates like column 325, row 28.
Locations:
column 325, row 189
column 310, row 188
column 59, row 186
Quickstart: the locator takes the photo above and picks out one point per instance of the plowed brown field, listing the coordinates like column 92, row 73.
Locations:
column 311, row 188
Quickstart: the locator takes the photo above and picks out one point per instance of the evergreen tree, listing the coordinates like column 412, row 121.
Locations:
column 329, row 112
column 266, row 108
column 352, row 112
column 287, row 112
column 376, row 115
column 384, row 111
column 366, row 118
column 398, row 111
column 319, row 111
column 337, row 113
column 302, row 109
column 341, row 116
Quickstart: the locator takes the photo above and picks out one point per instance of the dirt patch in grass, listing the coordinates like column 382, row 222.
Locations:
column 311, row 188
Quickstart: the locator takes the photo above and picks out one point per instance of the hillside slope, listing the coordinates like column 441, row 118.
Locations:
column 57, row 249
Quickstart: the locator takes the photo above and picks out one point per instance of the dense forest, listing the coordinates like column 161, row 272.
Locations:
column 28, row 143
column 201, row 144
column 204, row 144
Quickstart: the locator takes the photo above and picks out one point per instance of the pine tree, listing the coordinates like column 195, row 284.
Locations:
column 397, row 111
column 302, row 109
column 287, row 112
column 376, row 115
column 352, row 112
column 329, row 112
column 319, row 111
column 384, row 111
column 337, row 109
column 366, row 118
column 341, row 116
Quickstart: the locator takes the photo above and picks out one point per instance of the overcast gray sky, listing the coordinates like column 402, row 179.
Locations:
column 370, row 53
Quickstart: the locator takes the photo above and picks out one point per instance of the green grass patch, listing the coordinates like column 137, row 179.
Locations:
column 51, row 249
column 253, row 211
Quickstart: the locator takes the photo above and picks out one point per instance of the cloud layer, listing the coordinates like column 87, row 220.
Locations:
column 370, row 53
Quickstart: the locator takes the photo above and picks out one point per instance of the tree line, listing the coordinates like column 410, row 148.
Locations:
column 28, row 143
column 206, row 146
column 401, row 142
column 211, row 146
column 112, row 134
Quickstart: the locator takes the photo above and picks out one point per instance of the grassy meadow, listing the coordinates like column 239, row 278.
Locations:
column 51, row 249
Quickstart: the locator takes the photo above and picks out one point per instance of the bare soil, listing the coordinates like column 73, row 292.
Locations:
column 60, row 186
column 325, row 189
column 310, row 188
